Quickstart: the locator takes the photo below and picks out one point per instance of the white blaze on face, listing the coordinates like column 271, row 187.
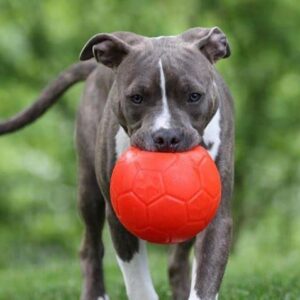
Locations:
column 163, row 119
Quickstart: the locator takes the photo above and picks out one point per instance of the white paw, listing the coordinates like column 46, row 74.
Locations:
column 103, row 298
column 193, row 296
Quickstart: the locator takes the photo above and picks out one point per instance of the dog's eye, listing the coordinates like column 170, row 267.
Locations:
column 137, row 99
column 195, row 97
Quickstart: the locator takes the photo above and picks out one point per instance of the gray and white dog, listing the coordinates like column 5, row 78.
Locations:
column 158, row 94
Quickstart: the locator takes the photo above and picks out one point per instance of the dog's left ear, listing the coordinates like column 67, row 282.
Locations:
column 107, row 49
column 212, row 42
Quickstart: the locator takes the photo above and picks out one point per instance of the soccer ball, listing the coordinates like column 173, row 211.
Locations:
column 165, row 197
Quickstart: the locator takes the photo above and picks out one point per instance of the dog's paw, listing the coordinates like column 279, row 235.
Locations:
column 105, row 297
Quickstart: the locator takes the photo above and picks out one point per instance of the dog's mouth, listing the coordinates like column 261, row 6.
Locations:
column 165, row 140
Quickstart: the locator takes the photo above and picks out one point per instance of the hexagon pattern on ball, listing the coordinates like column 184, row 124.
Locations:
column 165, row 197
column 152, row 187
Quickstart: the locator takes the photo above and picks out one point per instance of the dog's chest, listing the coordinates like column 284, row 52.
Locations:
column 211, row 137
column 122, row 141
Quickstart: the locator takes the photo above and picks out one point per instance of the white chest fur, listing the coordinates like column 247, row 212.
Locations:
column 122, row 141
column 211, row 135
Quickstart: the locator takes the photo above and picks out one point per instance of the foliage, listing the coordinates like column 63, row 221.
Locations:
column 38, row 220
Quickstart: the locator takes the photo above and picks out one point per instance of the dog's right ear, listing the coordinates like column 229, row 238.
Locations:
column 106, row 49
column 212, row 42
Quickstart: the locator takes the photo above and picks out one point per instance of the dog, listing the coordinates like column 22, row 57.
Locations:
column 157, row 94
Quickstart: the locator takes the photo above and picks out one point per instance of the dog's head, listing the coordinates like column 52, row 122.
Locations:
column 164, row 90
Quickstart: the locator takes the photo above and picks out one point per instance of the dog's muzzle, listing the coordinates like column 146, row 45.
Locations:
column 168, row 140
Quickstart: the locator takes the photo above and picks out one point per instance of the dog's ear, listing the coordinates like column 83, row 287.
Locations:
column 212, row 42
column 107, row 49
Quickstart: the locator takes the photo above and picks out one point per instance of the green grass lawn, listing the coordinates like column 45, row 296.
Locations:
column 62, row 280
column 250, row 275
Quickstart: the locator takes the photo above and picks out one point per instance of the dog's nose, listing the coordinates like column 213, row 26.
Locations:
column 167, row 140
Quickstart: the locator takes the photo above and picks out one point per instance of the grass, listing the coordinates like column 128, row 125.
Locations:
column 268, row 276
column 62, row 280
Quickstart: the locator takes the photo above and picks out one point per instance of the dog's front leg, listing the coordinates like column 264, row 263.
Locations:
column 132, row 259
column 211, row 249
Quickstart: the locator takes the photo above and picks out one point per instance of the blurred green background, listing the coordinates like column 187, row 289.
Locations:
column 40, row 228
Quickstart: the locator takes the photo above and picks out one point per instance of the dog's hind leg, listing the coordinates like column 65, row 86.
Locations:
column 179, row 270
column 92, row 208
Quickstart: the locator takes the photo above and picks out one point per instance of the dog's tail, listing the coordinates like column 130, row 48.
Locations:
column 49, row 96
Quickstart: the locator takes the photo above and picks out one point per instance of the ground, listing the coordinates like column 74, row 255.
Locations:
column 49, row 278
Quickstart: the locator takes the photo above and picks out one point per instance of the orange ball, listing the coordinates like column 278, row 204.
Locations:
column 165, row 197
